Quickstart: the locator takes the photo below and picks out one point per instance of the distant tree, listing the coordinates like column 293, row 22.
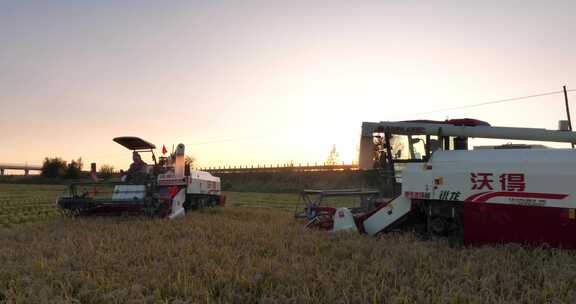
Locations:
column 333, row 157
column 53, row 167
column 106, row 171
column 74, row 169
column 189, row 161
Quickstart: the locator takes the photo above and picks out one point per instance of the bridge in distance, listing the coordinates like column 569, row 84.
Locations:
column 24, row 167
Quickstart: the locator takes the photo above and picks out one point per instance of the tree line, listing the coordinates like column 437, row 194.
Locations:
column 56, row 167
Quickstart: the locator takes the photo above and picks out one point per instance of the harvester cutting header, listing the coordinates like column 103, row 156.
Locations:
column 167, row 188
column 508, row 194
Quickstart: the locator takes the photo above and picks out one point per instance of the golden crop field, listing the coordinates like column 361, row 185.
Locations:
column 21, row 204
column 238, row 254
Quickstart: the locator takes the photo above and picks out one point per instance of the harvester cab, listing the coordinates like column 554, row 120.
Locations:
column 163, row 189
column 136, row 144
column 139, row 171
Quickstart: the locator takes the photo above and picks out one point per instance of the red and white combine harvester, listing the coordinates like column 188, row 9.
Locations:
column 511, row 193
column 167, row 189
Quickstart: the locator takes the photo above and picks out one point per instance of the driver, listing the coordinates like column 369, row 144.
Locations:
column 138, row 165
column 137, row 169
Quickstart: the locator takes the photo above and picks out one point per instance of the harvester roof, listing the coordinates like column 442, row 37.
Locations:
column 134, row 143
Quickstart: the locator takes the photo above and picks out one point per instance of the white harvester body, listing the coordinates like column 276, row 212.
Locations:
column 527, row 180
column 531, row 177
column 196, row 188
column 496, row 195
column 204, row 183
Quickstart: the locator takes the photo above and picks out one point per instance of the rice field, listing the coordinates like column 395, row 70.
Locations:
column 283, row 201
column 20, row 204
column 25, row 204
column 242, row 254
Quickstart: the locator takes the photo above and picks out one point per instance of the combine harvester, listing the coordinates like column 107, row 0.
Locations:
column 166, row 189
column 511, row 193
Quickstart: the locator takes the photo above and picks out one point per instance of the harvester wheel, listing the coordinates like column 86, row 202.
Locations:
column 446, row 227
column 152, row 207
column 201, row 203
column 191, row 203
column 437, row 225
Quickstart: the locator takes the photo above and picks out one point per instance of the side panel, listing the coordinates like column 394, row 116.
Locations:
column 200, row 182
column 177, row 208
column 415, row 185
column 505, row 223
column 514, row 177
column 129, row 192
column 387, row 215
column 344, row 220
column 198, row 186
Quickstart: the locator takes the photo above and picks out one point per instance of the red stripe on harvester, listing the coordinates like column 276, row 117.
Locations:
column 487, row 196
column 473, row 197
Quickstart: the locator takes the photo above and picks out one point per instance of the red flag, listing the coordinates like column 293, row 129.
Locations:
column 164, row 149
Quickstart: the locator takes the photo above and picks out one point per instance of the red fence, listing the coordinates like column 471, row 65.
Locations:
column 281, row 168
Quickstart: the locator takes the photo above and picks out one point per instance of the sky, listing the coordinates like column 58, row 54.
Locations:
column 265, row 82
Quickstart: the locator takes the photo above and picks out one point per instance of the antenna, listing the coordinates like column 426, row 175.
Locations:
column 568, row 112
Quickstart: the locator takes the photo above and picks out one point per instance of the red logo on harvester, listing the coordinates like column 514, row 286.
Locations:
column 512, row 182
column 512, row 186
column 481, row 181
column 507, row 181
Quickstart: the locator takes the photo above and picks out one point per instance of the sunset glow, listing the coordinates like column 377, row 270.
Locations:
column 256, row 82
